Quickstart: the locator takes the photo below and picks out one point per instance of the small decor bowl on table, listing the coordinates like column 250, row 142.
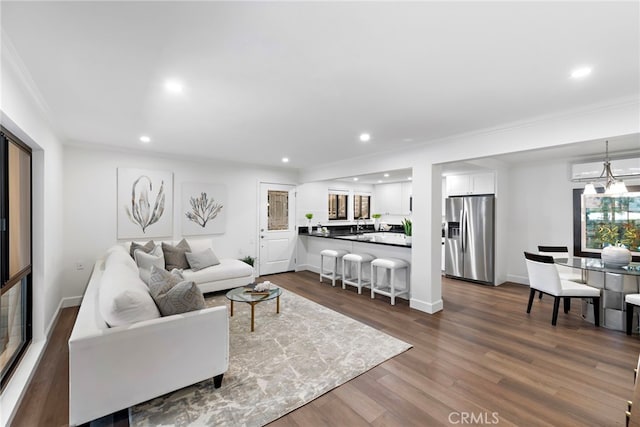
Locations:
column 616, row 256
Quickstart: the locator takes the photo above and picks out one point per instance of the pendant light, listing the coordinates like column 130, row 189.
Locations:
column 612, row 185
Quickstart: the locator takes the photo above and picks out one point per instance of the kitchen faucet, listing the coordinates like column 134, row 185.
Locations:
column 360, row 228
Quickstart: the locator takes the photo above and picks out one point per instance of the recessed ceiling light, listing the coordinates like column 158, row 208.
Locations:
column 355, row 178
column 386, row 175
column 365, row 137
column 145, row 139
column 285, row 160
column 581, row 72
column 379, row 181
column 173, row 86
column 409, row 178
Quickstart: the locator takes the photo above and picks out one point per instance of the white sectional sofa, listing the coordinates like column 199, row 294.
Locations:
column 146, row 356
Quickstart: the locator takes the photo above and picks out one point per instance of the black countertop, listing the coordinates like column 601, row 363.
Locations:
column 389, row 238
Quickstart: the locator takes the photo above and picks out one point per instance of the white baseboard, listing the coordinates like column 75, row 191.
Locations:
column 307, row 267
column 427, row 307
column 522, row 280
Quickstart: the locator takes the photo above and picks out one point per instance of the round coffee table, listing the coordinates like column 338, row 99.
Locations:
column 246, row 294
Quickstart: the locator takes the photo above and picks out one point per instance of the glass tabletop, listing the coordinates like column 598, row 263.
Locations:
column 247, row 294
column 596, row 264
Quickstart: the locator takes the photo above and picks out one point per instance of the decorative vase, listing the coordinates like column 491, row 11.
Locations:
column 376, row 224
column 616, row 256
column 407, row 239
column 309, row 228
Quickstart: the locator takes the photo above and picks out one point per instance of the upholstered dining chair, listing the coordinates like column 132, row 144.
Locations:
column 566, row 273
column 631, row 301
column 544, row 277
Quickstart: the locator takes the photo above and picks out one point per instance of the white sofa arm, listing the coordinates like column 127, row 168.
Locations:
column 116, row 368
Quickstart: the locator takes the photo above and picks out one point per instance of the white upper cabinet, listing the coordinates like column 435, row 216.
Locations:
column 478, row 183
column 392, row 199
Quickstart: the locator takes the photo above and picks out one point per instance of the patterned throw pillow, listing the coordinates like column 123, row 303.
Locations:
column 147, row 247
column 172, row 294
column 174, row 256
column 147, row 260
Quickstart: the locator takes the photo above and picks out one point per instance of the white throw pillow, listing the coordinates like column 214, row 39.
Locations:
column 147, row 260
column 118, row 255
column 124, row 298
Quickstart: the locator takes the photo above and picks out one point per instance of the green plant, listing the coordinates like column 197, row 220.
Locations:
column 248, row 259
column 376, row 216
column 308, row 216
column 406, row 224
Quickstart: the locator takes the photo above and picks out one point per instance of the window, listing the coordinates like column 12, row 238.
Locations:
column 278, row 212
column 600, row 220
column 338, row 203
column 15, row 252
column 361, row 205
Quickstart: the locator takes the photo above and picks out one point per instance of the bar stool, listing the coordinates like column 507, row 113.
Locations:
column 358, row 261
column 332, row 274
column 392, row 265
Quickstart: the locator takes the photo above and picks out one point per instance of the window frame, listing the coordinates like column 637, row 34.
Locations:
column 336, row 195
column 357, row 199
column 24, row 277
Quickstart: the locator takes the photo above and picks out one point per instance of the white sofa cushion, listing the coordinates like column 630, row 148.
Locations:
column 227, row 269
column 119, row 255
column 199, row 245
column 124, row 298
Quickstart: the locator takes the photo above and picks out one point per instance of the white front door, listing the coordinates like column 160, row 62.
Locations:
column 277, row 233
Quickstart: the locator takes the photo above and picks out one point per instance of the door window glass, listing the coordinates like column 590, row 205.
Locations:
column 278, row 210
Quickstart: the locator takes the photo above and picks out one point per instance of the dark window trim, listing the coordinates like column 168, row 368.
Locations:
column 577, row 223
column 6, row 282
column 359, row 197
column 346, row 210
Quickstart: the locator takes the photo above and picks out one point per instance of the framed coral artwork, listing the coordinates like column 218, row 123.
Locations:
column 204, row 209
column 145, row 203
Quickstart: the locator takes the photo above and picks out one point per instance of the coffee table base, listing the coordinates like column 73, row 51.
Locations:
column 253, row 308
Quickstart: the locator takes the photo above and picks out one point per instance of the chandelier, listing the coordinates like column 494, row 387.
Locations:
column 612, row 185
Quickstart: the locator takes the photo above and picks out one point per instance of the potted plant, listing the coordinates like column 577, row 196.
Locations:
column 614, row 252
column 248, row 260
column 376, row 221
column 309, row 216
column 406, row 224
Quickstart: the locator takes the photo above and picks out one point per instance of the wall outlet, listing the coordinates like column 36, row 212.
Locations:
column 79, row 265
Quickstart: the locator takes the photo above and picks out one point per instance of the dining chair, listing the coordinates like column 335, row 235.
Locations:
column 544, row 277
column 566, row 273
column 631, row 301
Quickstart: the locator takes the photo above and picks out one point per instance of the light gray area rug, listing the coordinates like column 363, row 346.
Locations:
column 291, row 358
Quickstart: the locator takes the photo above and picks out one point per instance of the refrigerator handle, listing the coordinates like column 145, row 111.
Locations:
column 463, row 230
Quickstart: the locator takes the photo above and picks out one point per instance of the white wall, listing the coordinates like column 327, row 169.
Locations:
column 90, row 224
column 25, row 116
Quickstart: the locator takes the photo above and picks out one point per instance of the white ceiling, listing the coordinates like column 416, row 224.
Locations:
column 265, row 80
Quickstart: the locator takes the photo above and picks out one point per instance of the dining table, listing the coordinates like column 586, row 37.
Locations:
column 615, row 281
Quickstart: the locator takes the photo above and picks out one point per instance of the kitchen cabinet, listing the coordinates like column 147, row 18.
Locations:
column 478, row 183
column 392, row 199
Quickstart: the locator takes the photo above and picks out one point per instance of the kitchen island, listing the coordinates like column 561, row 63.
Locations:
column 380, row 245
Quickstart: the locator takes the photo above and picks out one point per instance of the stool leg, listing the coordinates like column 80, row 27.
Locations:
column 335, row 272
column 392, row 286
column 343, row 275
column 321, row 265
column 359, row 267
column 373, row 281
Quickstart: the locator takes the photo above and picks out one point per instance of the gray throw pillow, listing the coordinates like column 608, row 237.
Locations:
column 145, row 261
column 174, row 256
column 203, row 259
column 172, row 294
column 147, row 247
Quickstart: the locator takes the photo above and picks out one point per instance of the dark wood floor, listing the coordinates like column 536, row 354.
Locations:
column 482, row 358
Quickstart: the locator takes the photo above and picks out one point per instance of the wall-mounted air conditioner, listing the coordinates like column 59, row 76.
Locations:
column 621, row 168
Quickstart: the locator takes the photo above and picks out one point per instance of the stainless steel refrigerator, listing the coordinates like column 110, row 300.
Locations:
column 469, row 239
